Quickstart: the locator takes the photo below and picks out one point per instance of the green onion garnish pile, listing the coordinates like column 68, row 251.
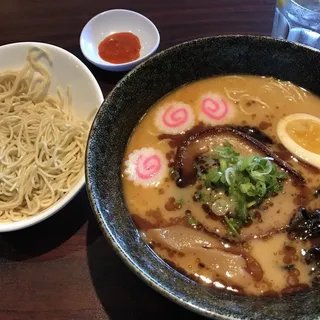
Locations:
column 246, row 182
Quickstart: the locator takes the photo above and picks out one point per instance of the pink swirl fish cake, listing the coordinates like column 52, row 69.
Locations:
column 215, row 110
column 174, row 118
column 146, row 167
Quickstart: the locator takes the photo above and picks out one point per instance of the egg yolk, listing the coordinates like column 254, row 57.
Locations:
column 306, row 133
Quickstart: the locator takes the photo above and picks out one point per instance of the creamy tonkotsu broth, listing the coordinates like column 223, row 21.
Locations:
column 227, row 205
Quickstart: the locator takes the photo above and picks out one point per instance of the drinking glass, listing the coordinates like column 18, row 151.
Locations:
column 298, row 21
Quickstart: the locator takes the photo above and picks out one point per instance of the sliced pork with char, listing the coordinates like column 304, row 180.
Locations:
column 230, row 264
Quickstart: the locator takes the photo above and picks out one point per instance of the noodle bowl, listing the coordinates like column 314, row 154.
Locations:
column 42, row 146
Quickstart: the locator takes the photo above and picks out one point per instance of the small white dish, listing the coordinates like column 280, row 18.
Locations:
column 66, row 70
column 114, row 21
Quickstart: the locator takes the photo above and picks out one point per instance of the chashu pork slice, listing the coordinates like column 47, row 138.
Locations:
column 196, row 247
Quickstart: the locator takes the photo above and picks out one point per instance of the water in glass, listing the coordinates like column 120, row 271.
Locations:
column 298, row 21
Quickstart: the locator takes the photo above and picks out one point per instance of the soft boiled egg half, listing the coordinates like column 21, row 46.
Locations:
column 300, row 134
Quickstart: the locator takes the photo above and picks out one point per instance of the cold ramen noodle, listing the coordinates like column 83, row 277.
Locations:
column 42, row 146
column 221, row 179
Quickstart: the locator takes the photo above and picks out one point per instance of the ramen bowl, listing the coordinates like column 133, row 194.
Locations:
column 66, row 70
column 114, row 124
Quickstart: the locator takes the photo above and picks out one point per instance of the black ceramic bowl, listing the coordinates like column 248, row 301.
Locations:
column 117, row 118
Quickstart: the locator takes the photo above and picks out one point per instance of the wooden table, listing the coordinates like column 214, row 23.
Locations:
column 63, row 268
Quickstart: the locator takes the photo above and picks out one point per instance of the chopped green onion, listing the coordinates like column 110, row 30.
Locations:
column 180, row 202
column 251, row 204
column 191, row 221
column 213, row 175
column 232, row 225
column 220, row 207
column 247, row 181
column 226, row 152
column 223, row 164
column 197, row 195
column 230, row 174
